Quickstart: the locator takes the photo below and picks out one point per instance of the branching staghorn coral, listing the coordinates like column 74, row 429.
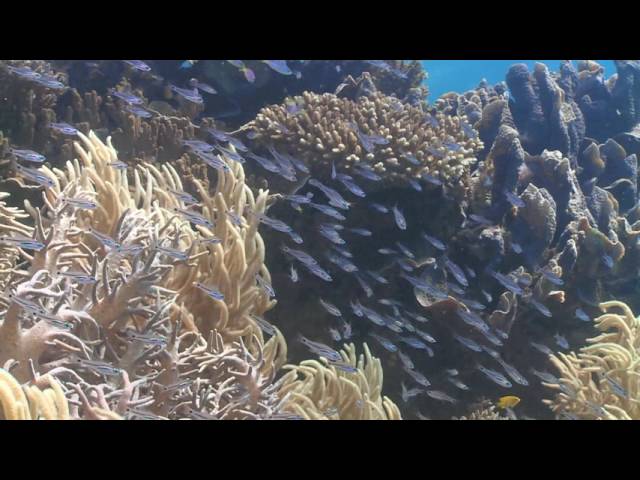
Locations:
column 318, row 390
column 394, row 138
column 107, row 291
column 602, row 381
column 42, row 399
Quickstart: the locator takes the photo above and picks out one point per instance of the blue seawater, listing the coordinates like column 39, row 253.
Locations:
column 462, row 75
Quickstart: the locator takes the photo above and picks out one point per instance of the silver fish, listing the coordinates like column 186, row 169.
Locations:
column 264, row 325
column 144, row 338
column 514, row 199
column 467, row 342
column 264, row 162
column 541, row 348
column 495, row 377
column 335, row 334
column 419, row 378
column 364, row 285
column 544, row 376
column 80, row 277
column 434, row 241
column 28, row 155
column 405, row 251
column 407, row 394
column 345, row 367
column 406, row 360
column 361, row 231
column 513, row 372
column 63, row 127
column 35, row 176
column 319, row 272
column 540, row 307
column 456, row 271
column 399, row 218
column 80, row 203
column 100, row 367
column 327, row 210
column 550, row 276
column 172, row 252
column 194, row 217
column 351, row 186
column 379, row 208
column 581, row 315
column 184, row 196
column 341, row 262
column 106, row 240
column 347, row 330
column 561, row 341
column 211, row 292
column 24, row 243
column 440, row 396
column 293, row 274
column 266, row 286
column 424, row 335
column 357, row 308
column 414, row 342
column 335, row 199
column 457, row 383
column 507, row 282
column 331, row 308
column 377, row 277
column 320, row 349
column 299, row 255
column 374, row 316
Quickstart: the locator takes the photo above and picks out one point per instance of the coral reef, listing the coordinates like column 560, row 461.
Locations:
column 602, row 381
column 397, row 140
column 136, row 312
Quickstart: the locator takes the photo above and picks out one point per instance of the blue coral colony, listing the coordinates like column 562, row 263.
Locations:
column 465, row 240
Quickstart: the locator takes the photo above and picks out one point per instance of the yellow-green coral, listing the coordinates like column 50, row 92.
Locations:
column 320, row 391
column 602, row 381
column 41, row 400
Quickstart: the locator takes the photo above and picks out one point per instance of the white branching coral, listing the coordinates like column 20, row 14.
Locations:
column 602, row 381
column 320, row 391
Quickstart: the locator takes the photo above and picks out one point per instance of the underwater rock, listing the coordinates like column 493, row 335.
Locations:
column 626, row 92
column 554, row 173
column 534, row 225
column 505, row 159
column 544, row 117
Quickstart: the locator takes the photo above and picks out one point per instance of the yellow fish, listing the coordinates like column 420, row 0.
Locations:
column 509, row 401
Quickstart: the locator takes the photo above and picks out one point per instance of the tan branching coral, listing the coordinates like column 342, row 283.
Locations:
column 119, row 263
column 143, row 307
column 320, row 391
column 602, row 381
column 405, row 142
column 42, row 399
